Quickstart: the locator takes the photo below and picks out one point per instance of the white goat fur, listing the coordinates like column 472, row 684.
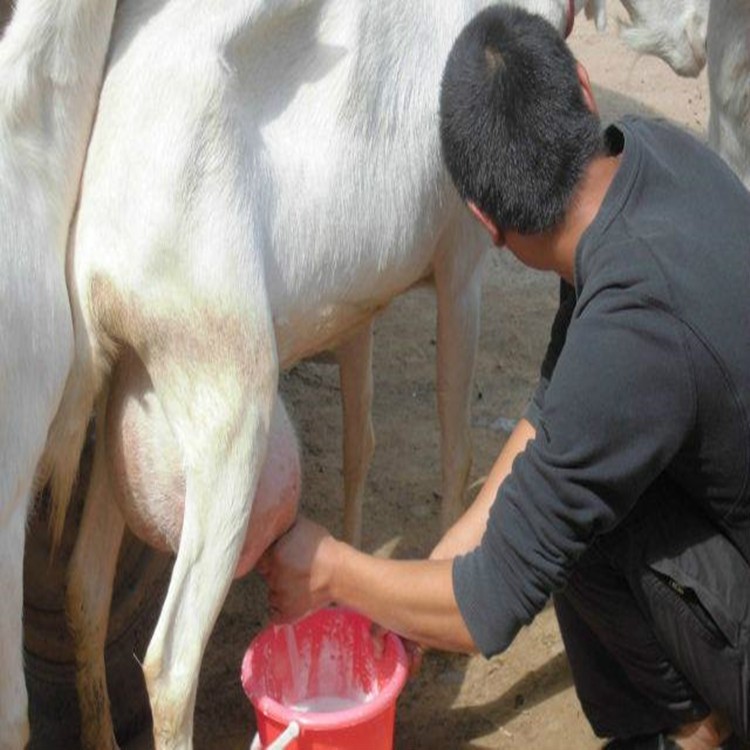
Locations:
column 701, row 32
column 673, row 30
column 51, row 61
column 261, row 180
column 728, row 52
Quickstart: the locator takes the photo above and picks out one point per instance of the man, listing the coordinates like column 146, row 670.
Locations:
column 629, row 493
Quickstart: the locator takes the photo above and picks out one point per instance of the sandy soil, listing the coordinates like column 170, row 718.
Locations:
column 523, row 698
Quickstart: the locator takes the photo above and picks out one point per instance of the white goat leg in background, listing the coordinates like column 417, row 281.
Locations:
column 354, row 359
column 458, row 286
column 457, row 280
column 88, row 595
column 51, row 61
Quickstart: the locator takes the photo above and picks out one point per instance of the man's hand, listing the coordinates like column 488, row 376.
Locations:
column 307, row 569
column 414, row 651
column 299, row 568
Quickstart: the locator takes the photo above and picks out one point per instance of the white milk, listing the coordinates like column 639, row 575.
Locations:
column 294, row 659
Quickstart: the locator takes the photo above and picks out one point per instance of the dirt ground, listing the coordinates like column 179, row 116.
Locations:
column 523, row 698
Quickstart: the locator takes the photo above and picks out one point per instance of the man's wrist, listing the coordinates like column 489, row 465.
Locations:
column 334, row 553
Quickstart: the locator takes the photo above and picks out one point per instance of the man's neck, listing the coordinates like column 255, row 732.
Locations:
column 555, row 249
column 587, row 200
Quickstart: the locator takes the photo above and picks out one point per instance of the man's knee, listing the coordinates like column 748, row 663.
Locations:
column 667, row 599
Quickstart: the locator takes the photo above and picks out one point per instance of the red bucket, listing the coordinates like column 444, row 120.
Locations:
column 319, row 684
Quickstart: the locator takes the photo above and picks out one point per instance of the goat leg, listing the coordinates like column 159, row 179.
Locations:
column 91, row 576
column 354, row 358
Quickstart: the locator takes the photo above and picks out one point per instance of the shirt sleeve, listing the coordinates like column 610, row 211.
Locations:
column 617, row 409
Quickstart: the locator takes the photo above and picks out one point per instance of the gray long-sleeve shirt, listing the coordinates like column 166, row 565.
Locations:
column 653, row 378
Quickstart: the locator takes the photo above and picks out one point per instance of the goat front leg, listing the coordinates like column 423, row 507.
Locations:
column 217, row 387
column 458, row 285
column 91, row 575
column 354, row 358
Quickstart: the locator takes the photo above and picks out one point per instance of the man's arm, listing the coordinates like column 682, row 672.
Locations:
column 307, row 569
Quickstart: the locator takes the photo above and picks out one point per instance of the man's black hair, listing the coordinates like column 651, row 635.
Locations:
column 515, row 130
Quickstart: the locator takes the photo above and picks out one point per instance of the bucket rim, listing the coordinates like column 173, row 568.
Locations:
column 384, row 700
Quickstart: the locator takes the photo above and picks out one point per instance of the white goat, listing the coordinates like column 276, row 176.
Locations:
column 51, row 61
column 691, row 33
column 673, row 30
column 261, row 180
column 700, row 33
column 728, row 52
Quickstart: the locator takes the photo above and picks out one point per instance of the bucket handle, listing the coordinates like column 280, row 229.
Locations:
column 282, row 741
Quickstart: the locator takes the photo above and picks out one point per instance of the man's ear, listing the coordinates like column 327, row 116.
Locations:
column 586, row 90
column 494, row 231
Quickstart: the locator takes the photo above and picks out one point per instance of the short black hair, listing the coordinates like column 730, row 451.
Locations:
column 515, row 131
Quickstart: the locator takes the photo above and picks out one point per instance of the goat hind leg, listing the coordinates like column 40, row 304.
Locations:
column 222, row 431
column 88, row 597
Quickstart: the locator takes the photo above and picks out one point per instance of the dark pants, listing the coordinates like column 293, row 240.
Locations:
column 656, row 623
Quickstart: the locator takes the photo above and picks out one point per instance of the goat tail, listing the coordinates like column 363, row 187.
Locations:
column 67, row 435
